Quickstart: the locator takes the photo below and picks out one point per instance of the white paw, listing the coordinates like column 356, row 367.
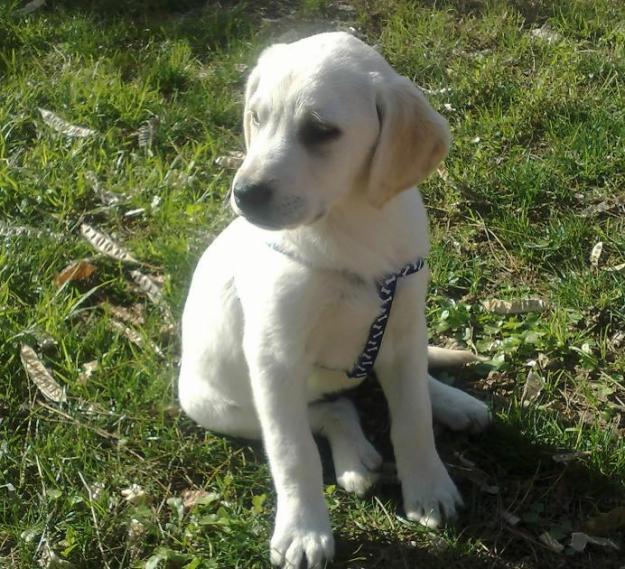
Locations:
column 432, row 498
column 460, row 411
column 357, row 468
column 304, row 539
column 357, row 482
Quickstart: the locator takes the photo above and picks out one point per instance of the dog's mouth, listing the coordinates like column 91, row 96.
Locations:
column 262, row 223
column 278, row 225
column 288, row 213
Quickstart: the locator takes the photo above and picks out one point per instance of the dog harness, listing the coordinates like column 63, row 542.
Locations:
column 386, row 293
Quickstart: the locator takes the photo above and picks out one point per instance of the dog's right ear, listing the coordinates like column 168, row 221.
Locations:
column 251, row 87
column 252, row 84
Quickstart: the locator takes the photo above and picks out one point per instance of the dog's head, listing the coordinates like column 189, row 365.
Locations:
column 325, row 117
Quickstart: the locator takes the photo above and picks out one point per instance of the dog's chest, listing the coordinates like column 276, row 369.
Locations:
column 343, row 323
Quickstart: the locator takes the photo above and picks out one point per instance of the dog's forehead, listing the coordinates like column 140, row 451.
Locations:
column 317, row 82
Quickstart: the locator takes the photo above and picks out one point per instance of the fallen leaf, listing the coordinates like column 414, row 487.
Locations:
column 152, row 286
column 230, row 161
column 606, row 523
column 533, row 387
column 105, row 245
column 148, row 285
column 132, row 315
column 75, row 271
column 580, row 540
column 107, row 197
column 95, row 491
column 88, row 370
column 546, row 34
column 11, row 230
column 566, row 457
column 192, row 498
column 443, row 173
column 551, row 542
column 134, row 212
column 57, row 123
column 603, row 207
column 135, row 494
column 30, row 7
column 147, row 132
column 617, row 340
column 136, row 530
column 616, row 268
column 40, row 376
column 440, row 91
column 133, row 336
column 595, row 254
column 514, row 306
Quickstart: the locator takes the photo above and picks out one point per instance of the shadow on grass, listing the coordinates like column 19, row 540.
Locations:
column 500, row 472
column 207, row 26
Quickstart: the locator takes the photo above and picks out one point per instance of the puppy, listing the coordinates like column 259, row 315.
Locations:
column 284, row 304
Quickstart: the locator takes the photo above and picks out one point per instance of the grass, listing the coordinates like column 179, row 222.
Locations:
column 533, row 182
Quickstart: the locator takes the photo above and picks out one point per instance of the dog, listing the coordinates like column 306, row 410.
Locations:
column 284, row 300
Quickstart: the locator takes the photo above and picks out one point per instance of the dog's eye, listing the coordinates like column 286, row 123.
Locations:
column 254, row 117
column 314, row 133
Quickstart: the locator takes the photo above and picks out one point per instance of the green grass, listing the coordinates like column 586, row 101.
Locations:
column 538, row 124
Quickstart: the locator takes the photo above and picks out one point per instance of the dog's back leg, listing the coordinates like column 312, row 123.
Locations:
column 212, row 410
column 456, row 409
column 355, row 459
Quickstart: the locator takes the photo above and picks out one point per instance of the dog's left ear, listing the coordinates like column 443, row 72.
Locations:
column 413, row 139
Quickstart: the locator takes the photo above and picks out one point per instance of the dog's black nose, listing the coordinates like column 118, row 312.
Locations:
column 250, row 197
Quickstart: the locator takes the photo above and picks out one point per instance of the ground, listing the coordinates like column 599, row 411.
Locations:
column 111, row 474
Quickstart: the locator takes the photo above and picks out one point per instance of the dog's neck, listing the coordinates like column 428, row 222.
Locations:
column 361, row 239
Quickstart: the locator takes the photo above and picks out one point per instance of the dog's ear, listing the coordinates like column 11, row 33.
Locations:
column 252, row 84
column 413, row 139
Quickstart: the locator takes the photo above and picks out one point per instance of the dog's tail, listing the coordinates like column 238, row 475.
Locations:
column 445, row 358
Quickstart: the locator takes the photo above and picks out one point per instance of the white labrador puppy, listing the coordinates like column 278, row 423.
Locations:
column 284, row 300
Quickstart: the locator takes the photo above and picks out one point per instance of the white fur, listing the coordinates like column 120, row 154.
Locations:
column 267, row 334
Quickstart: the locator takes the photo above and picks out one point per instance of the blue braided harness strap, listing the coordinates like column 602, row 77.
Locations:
column 386, row 292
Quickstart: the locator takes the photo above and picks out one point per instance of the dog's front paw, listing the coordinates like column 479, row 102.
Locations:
column 432, row 498
column 302, row 538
